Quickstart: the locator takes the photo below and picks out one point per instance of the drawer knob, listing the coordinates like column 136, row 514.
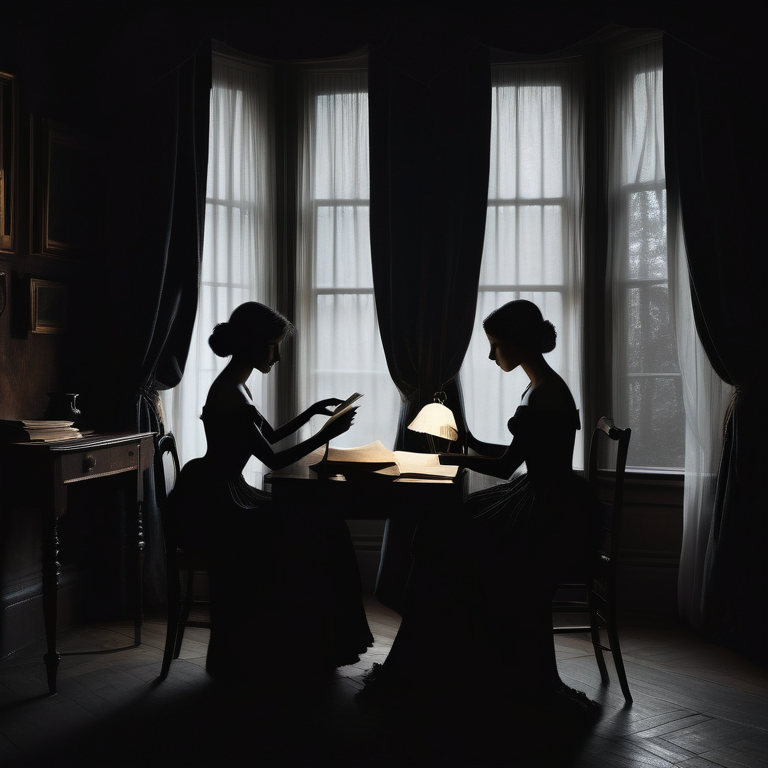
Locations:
column 89, row 463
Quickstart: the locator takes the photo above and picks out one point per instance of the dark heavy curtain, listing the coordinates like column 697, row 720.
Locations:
column 430, row 107
column 715, row 157
column 178, row 112
column 164, row 149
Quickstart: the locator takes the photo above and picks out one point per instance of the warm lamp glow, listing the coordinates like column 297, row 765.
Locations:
column 436, row 419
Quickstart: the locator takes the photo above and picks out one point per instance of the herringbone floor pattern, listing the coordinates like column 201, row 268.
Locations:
column 696, row 706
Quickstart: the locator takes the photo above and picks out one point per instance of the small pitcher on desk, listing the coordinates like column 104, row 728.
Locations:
column 62, row 407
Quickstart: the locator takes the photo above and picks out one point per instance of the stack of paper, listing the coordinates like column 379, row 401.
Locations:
column 37, row 430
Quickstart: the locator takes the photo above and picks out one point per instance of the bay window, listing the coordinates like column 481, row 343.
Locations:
column 303, row 245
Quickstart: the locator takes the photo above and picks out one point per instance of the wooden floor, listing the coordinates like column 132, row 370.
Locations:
column 696, row 705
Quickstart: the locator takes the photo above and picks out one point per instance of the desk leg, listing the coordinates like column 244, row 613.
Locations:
column 139, row 578
column 51, row 565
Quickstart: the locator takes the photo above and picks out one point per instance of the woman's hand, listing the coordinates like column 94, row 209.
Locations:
column 339, row 425
column 324, row 407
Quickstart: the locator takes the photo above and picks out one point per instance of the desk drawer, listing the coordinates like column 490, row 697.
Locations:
column 109, row 460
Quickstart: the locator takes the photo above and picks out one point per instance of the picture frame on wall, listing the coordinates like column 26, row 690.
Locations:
column 7, row 161
column 62, row 164
column 49, row 306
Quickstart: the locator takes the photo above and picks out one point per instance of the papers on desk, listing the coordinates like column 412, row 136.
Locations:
column 37, row 430
column 423, row 465
column 376, row 459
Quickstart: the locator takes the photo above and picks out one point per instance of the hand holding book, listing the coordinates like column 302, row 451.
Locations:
column 341, row 418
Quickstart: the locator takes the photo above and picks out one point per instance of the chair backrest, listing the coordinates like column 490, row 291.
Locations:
column 166, row 467
column 612, row 510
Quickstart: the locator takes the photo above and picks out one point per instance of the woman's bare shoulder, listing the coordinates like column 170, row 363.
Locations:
column 552, row 394
column 225, row 397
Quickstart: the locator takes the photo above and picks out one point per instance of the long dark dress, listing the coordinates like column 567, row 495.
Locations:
column 482, row 579
column 285, row 584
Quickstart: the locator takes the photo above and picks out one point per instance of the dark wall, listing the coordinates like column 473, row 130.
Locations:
column 81, row 69
column 51, row 82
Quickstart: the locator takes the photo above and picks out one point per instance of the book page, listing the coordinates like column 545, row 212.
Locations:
column 373, row 453
column 342, row 408
column 424, row 465
column 418, row 459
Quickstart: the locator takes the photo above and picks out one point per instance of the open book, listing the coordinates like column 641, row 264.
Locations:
column 376, row 458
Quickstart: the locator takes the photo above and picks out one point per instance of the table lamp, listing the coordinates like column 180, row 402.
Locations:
column 436, row 419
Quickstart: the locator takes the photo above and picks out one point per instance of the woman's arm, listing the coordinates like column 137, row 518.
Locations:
column 320, row 408
column 497, row 466
column 262, row 449
column 491, row 450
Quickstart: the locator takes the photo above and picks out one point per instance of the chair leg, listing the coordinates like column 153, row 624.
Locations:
column 170, row 644
column 185, row 607
column 172, row 625
column 594, row 625
column 618, row 660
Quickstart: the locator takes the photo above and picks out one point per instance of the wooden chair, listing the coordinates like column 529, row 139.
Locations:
column 180, row 569
column 599, row 585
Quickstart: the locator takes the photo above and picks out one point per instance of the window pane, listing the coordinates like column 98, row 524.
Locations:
column 499, row 265
column 343, row 247
column 645, row 139
column 341, row 146
column 658, row 434
column 230, row 232
column 527, row 130
column 647, row 228
column 651, row 346
column 352, row 359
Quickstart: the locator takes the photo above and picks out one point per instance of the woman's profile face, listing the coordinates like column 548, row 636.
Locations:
column 504, row 354
column 267, row 356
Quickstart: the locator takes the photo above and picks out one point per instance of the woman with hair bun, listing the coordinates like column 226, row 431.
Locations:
column 494, row 568
column 273, row 572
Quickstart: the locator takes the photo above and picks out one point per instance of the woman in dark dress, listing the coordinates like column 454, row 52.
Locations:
column 282, row 581
column 477, row 621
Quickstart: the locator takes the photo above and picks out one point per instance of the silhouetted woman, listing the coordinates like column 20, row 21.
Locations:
column 285, row 585
column 477, row 621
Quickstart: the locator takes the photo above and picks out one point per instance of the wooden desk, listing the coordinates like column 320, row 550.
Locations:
column 363, row 497
column 46, row 471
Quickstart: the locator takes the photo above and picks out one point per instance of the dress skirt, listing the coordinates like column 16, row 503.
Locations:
column 284, row 585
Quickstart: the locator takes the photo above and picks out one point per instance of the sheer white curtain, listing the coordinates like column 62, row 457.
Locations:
column 666, row 389
column 533, row 236
column 706, row 399
column 340, row 350
column 238, row 250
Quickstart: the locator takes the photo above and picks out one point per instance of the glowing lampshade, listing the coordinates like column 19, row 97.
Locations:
column 436, row 419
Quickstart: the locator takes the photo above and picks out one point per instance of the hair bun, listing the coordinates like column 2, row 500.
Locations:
column 547, row 336
column 221, row 340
